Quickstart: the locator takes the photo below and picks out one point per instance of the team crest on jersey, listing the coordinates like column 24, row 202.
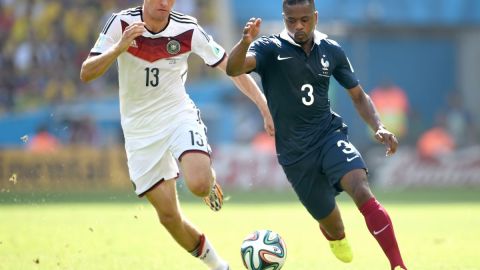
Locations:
column 173, row 47
column 325, row 66
column 325, row 63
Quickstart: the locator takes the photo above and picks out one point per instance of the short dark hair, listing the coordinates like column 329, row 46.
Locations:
column 298, row 2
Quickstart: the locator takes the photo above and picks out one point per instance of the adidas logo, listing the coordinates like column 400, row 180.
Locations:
column 205, row 255
column 134, row 44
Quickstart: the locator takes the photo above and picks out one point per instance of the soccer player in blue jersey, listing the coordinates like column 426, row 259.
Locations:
column 311, row 140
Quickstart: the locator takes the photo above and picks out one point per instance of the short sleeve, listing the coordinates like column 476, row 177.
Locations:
column 343, row 72
column 260, row 50
column 110, row 35
column 204, row 46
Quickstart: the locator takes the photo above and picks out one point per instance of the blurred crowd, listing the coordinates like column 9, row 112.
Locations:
column 42, row 46
column 43, row 43
column 453, row 128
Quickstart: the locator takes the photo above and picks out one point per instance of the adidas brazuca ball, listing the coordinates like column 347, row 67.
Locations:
column 263, row 250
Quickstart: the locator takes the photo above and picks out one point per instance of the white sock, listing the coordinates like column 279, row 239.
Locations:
column 207, row 254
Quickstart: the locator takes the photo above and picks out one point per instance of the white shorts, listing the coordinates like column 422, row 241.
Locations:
column 155, row 161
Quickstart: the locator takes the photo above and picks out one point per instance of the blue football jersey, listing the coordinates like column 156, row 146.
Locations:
column 296, row 87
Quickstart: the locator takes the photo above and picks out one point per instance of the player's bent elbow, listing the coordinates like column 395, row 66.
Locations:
column 229, row 71
column 83, row 74
column 84, row 78
column 232, row 72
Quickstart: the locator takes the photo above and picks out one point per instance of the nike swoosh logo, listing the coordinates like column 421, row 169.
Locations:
column 279, row 58
column 383, row 229
column 352, row 158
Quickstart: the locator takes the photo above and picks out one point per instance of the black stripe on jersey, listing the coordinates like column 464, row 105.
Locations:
column 182, row 21
column 133, row 13
column 177, row 13
column 182, row 16
column 189, row 21
column 109, row 22
column 131, row 10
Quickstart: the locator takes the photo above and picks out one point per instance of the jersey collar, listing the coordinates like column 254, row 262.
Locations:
column 317, row 37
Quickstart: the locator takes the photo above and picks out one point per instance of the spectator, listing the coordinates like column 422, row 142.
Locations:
column 263, row 142
column 436, row 141
column 43, row 141
column 83, row 132
column 392, row 105
column 458, row 121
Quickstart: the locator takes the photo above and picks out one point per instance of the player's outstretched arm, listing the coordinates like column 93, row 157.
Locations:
column 247, row 85
column 239, row 62
column 369, row 113
column 95, row 66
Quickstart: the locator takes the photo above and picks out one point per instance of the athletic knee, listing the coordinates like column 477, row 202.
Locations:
column 362, row 195
column 201, row 189
column 200, row 184
column 358, row 188
column 170, row 220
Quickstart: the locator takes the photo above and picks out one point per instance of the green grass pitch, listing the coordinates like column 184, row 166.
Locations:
column 435, row 230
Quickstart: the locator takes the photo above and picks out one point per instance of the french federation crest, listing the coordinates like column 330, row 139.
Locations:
column 325, row 63
column 173, row 47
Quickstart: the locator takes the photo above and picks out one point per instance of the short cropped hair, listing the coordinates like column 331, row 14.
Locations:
column 298, row 2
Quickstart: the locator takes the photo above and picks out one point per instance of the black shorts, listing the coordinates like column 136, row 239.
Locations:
column 316, row 177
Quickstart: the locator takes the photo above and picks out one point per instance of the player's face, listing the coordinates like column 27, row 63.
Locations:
column 300, row 21
column 158, row 9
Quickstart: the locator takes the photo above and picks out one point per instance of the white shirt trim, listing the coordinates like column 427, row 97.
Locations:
column 317, row 37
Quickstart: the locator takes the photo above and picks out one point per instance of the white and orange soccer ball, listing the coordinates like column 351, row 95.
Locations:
column 262, row 250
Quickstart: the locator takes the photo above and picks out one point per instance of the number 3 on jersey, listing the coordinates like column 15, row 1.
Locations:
column 310, row 98
column 348, row 149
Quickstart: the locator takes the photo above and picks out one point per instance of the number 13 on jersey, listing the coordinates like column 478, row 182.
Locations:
column 151, row 77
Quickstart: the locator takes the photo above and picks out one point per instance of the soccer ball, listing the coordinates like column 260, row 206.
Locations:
column 263, row 250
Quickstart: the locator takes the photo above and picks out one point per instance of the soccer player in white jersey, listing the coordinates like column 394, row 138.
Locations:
column 160, row 122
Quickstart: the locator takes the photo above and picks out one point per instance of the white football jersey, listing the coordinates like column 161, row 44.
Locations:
column 153, row 71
